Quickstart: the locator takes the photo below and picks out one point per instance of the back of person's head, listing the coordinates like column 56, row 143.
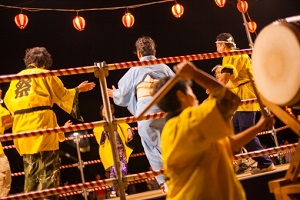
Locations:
column 37, row 57
column 102, row 109
column 145, row 45
column 228, row 39
column 170, row 101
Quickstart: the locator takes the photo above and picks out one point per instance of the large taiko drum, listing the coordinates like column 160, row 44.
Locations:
column 276, row 62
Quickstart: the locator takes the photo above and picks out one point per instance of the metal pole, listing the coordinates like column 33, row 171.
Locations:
column 247, row 31
column 111, row 126
column 80, row 165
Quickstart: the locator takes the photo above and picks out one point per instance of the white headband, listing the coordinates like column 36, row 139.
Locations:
column 229, row 41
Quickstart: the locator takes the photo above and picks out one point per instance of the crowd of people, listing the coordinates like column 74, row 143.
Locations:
column 202, row 136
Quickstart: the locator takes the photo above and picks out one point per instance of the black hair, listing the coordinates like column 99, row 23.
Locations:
column 228, row 39
column 38, row 57
column 112, row 110
column 170, row 101
column 145, row 45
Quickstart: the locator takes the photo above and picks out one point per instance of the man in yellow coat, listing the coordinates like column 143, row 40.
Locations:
column 30, row 101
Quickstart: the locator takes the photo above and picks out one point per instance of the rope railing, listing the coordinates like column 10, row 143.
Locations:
column 268, row 151
column 77, row 127
column 82, row 186
column 122, row 65
column 139, row 177
column 272, row 152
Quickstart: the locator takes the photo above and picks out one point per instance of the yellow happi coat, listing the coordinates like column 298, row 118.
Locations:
column 240, row 83
column 35, row 92
column 105, row 151
column 4, row 116
column 197, row 158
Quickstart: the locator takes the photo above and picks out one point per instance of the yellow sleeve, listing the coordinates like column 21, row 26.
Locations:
column 5, row 118
column 98, row 133
column 62, row 96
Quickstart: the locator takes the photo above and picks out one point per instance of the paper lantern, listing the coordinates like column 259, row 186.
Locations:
column 177, row 10
column 242, row 6
column 79, row 23
column 128, row 20
column 251, row 26
column 21, row 20
column 220, row 3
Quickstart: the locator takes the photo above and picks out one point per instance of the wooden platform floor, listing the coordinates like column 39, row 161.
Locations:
column 157, row 194
column 144, row 195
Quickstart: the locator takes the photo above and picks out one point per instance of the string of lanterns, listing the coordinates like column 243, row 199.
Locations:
column 79, row 23
column 242, row 6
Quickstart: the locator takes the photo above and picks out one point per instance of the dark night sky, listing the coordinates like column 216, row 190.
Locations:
column 106, row 39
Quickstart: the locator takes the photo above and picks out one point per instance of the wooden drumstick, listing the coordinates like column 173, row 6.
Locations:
column 157, row 97
column 262, row 110
column 1, row 100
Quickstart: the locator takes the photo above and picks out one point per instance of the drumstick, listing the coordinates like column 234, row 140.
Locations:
column 262, row 110
column 157, row 97
column 1, row 100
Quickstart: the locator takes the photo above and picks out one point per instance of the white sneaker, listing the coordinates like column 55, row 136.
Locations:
column 267, row 169
column 113, row 194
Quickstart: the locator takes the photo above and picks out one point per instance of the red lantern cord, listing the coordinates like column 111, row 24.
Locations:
column 21, row 20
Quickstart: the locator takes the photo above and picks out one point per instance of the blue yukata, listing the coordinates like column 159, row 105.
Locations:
column 149, row 130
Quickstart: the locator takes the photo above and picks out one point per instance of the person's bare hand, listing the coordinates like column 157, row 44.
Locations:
column 86, row 86
column 68, row 123
column 110, row 92
column 185, row 69
column 266, row 122
column 207, row 91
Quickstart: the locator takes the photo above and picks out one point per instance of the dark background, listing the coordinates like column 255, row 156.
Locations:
column 106, row 39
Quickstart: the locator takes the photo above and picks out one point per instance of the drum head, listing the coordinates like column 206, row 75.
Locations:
column 276, row 63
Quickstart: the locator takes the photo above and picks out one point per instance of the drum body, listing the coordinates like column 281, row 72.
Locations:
column 276, row 63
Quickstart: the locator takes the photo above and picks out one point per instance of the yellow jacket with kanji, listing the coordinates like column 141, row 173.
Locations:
column 30, row 93
column 105, row 151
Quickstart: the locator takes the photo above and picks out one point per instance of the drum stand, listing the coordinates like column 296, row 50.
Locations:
column 287, row 188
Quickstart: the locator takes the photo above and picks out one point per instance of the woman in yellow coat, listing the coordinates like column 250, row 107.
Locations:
column 123, row 135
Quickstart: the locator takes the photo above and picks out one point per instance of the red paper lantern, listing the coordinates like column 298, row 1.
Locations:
column 79, row 23
column 220, row 3
column 21, row 20
column 177, row 10
column 128, row 20
column 251, row 26
column 242, row 6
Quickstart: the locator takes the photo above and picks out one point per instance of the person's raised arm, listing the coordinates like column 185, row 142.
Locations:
column 227, row 101
column 239, row 140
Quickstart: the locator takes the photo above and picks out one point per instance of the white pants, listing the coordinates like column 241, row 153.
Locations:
column 5, row 176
